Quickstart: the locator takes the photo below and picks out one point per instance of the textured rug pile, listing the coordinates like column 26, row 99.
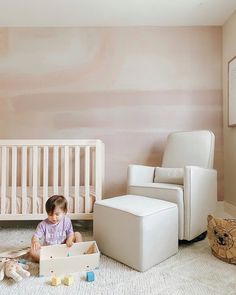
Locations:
column 192, row 271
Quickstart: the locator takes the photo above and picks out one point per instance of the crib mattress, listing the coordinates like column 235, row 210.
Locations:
column 40, row 204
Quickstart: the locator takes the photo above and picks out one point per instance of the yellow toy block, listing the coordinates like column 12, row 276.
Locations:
column 68, row 280
column 55, row 281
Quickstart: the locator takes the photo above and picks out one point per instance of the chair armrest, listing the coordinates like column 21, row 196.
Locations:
column 200, row 198
column 138, row 174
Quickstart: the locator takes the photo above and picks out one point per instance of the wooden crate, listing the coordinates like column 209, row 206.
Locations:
column 60, row 260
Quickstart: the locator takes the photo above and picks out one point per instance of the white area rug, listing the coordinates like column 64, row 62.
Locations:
column 192, row 271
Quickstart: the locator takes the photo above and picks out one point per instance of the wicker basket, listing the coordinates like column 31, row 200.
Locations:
column 222, row 238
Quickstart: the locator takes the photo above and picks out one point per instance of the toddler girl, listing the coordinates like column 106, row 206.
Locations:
column 56, row 229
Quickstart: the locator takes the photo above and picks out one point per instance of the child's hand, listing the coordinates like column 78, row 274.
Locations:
column 69, row 243
column 35, row 246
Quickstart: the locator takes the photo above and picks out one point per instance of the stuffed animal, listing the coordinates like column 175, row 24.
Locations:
column 13, row 269
column 222, row 238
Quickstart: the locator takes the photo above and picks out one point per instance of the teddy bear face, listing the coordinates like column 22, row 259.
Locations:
column 222, row 238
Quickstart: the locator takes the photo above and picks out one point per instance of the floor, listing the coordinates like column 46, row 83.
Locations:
column 193, row 270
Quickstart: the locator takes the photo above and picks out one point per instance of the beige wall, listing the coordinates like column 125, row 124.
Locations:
column 229, row 51
column 129, row 87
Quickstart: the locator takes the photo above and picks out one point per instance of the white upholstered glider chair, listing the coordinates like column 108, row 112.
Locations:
column 186, row 178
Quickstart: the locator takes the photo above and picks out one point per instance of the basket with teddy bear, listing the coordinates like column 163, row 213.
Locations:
column 222, row 238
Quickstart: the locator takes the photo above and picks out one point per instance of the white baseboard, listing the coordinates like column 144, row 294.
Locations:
column 230, row 209
column 225, row 210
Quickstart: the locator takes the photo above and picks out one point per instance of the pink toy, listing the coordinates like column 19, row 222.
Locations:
column 13, row 269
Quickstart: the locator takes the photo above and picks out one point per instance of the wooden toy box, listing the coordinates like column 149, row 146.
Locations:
column 60, row 260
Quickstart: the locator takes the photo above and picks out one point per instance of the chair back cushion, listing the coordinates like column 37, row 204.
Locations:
column 191, row 148
column 169, row 175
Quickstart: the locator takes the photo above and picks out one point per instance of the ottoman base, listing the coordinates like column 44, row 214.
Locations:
column 135, row 230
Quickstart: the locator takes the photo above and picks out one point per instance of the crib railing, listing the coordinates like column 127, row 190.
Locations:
column 44, row 163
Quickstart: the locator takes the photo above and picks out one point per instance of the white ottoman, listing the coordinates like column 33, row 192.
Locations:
column 135, row 230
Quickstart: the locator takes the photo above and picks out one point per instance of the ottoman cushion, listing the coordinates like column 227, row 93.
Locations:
column 135, row 230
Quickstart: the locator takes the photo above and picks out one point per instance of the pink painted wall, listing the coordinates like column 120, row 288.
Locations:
column 129, row 87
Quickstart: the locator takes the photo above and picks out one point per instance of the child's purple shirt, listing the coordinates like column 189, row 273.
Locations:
column 54, row 233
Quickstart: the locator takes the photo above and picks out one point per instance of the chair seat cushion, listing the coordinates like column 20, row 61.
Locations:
column 163, row 191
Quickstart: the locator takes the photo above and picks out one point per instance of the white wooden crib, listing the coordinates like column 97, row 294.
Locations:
column 33, row 170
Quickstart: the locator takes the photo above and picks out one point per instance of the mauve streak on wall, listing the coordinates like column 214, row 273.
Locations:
column 129, row 87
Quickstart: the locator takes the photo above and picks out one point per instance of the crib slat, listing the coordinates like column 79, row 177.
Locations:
column 87, row 176
column 62, row 165
column 77, row 178
column 70, row 166
column 24, row 178
column 13, row 181
column 39, row 166
column 35, row 178
column 99, row 171
column 0, row 164
column 7, row 167
column 30, row 166
column 55, row 170
column 93, row 166
column 66, row 172
column 3, row 180
column 45, row 176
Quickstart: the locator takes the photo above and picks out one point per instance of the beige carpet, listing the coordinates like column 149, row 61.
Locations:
column 192, row 271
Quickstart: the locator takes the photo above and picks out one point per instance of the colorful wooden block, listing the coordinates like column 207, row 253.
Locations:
column 55, row 281
column 90, row 276
column 68, row 280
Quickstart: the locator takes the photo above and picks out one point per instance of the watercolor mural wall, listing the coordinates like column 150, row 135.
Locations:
column 129, row 87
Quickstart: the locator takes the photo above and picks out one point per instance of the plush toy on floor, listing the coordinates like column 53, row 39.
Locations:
column 11, row 268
